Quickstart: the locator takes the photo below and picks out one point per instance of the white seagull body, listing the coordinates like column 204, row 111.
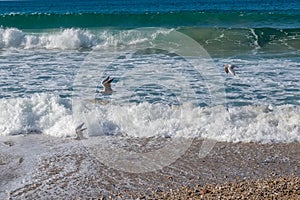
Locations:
column 230, row 69
column 107, row 87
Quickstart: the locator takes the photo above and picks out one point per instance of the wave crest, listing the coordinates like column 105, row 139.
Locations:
column 11, row 37
column 212, row 39
column 63, row 39
column 75, row 38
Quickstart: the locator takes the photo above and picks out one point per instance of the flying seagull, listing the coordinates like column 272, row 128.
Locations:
column 107, row 87
column 230, row 69
column 79, row 132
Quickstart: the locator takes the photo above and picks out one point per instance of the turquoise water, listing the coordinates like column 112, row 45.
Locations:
column 220, row 26
column 136, row 6
column 225, row 19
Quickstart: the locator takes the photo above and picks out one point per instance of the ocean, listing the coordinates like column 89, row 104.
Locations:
column 174, row 119
column 167, row 60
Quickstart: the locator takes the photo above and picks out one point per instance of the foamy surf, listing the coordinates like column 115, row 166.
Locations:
column 74, row 38
column 52, row 115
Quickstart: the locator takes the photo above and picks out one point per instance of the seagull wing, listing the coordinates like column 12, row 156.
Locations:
column 105, row 80
column 231, row 70
column 79, row 132
column 107, row 86
column 226, row 70
column 110, row 80
column 79, row 128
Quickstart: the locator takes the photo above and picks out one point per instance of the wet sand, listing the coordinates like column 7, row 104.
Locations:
column 65, row 168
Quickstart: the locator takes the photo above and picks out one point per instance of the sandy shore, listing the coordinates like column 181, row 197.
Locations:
column 35, row 167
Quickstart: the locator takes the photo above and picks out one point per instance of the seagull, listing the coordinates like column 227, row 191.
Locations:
column 230, row 69
column 107, row 87
column 79, row 132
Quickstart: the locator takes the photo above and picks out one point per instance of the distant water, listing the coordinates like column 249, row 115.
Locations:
column 46, row 46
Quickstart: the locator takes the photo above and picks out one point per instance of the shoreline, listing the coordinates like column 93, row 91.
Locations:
column 55, row 167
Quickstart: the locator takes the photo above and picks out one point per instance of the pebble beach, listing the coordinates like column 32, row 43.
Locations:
column 229, row 171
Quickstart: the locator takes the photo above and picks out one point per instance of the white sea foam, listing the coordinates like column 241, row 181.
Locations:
column 11, row 37
column 74, row 38
column 255, row 39
column 60, row 39
column 51, row 115
column 68, row 39
column 41, row 113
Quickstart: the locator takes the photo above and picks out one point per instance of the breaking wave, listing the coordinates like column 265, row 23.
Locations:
column 52, row 115
column 212, row 39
